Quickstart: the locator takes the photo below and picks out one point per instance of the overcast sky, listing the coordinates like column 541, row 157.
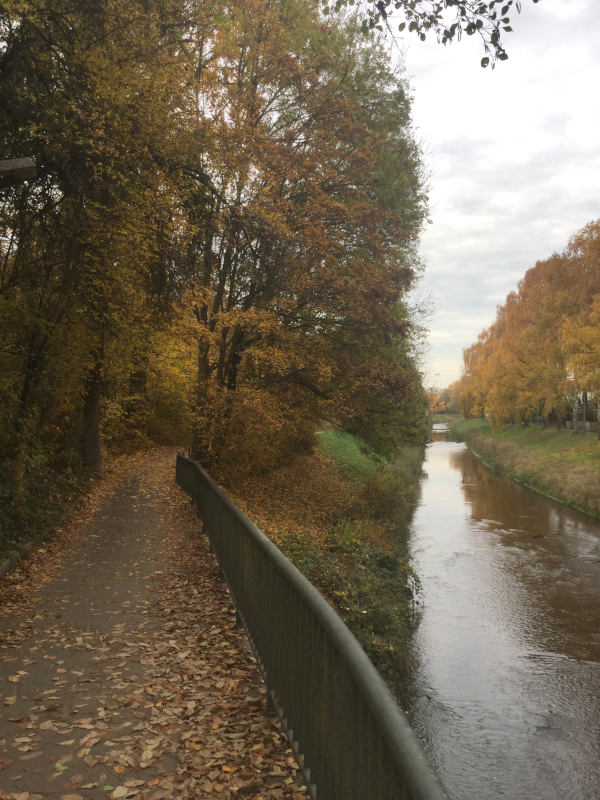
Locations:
column 514, row 162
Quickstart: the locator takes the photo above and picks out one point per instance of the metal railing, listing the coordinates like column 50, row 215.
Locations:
column 349, row 736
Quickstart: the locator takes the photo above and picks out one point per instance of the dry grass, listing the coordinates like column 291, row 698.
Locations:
column 557, row 463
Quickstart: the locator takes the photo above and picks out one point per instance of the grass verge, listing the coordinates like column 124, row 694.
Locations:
column 339, row 514
column 558, row 463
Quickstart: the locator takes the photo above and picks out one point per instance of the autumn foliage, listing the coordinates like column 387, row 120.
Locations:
column 218, row 244
column 540, row 359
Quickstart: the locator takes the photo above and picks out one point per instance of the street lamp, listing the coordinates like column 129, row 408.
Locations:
column 17, row 169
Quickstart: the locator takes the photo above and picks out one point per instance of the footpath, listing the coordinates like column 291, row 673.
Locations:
column 122, row 672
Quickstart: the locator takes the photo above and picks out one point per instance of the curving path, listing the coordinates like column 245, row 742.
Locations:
column 122, row 674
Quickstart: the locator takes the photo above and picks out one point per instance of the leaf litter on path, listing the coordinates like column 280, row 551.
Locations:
column 131, row 677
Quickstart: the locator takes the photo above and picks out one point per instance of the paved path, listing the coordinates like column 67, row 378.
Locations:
column 122, row 674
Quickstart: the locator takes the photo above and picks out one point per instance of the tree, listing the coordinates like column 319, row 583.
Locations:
column 242, row 175
column 539, row 355
column 437, row 404
column 307, row 213
column 88, row 90
column 446, row 19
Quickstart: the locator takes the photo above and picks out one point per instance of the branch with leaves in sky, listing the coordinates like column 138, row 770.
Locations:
column 446, row 19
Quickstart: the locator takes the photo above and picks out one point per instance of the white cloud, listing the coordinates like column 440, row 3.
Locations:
column 514, row 157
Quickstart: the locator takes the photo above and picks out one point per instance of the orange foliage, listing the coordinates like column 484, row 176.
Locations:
column 541, row 353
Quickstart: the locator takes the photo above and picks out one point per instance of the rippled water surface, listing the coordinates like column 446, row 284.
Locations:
column 506, row 694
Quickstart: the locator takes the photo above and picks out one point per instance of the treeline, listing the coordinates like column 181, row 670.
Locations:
column 218, row 243
column 540, row 360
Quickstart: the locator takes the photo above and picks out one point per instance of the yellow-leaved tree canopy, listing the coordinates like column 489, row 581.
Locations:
column 219, row 241
column 539, row 360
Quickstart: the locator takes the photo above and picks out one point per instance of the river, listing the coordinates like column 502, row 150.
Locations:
column 506, row 689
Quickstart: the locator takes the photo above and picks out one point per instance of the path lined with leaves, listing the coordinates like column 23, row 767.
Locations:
column 122, row 672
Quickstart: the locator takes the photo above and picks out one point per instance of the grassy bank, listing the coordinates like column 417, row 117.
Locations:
column 340, row 515
column 558, row 463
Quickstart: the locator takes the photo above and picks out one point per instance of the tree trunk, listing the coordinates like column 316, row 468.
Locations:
column 26, row 417
column 90, row 444
column 199, row 429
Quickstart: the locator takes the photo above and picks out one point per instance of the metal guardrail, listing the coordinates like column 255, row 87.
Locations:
column 348, row 734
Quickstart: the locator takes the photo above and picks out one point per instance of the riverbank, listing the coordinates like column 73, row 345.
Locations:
column 340, row 515
column 557, row 463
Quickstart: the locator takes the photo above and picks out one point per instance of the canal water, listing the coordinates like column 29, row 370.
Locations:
column 506, row 689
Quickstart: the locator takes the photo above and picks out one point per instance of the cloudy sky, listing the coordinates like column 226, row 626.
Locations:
column 514, row 162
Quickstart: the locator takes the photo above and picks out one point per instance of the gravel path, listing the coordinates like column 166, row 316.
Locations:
column 122, row 674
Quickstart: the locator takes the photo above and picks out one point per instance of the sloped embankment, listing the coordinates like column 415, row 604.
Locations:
column 558, row 463
column 340, row 515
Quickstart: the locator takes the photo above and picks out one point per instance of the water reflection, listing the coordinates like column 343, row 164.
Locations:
column 507, row 691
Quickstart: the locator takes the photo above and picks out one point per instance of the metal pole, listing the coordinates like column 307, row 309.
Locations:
column 17, row 169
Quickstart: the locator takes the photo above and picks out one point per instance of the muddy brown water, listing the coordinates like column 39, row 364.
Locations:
column 506, row 690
